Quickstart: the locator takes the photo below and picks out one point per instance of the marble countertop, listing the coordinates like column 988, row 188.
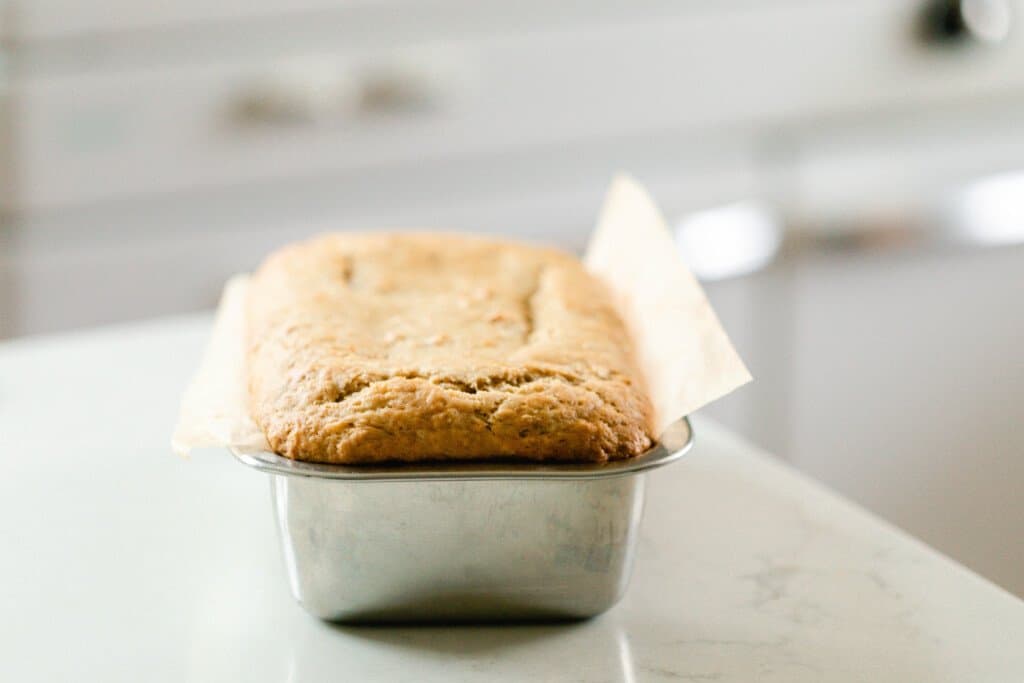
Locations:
column 122, row 562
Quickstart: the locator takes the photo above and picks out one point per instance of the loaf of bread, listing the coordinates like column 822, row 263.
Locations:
column 369, row 348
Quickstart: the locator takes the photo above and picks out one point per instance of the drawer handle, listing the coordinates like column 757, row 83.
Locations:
column 983, row 21
column 317, row 92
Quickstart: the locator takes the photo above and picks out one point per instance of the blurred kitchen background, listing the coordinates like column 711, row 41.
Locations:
column 846, row 177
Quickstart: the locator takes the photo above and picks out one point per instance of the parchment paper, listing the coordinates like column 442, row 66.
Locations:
column 685, row 355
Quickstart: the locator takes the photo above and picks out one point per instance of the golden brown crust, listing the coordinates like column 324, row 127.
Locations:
column 374, row 347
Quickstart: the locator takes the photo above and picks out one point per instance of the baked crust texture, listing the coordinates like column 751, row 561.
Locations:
column 368, row 348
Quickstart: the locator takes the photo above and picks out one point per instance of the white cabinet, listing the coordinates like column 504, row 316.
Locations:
column 897, row 379
column 907, row 391
column 138, row 127
column 129, row 134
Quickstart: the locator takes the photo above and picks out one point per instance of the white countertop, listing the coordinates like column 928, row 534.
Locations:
column 121, row 562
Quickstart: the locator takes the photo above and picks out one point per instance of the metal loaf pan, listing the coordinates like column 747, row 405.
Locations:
column 461, row 541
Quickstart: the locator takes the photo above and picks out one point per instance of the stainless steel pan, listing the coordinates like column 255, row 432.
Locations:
column 461, row 541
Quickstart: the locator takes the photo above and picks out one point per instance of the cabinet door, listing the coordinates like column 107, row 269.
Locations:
column 735, row 68
column 907, row 392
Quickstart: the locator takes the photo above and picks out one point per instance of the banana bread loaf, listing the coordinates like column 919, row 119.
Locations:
column 366, row 348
